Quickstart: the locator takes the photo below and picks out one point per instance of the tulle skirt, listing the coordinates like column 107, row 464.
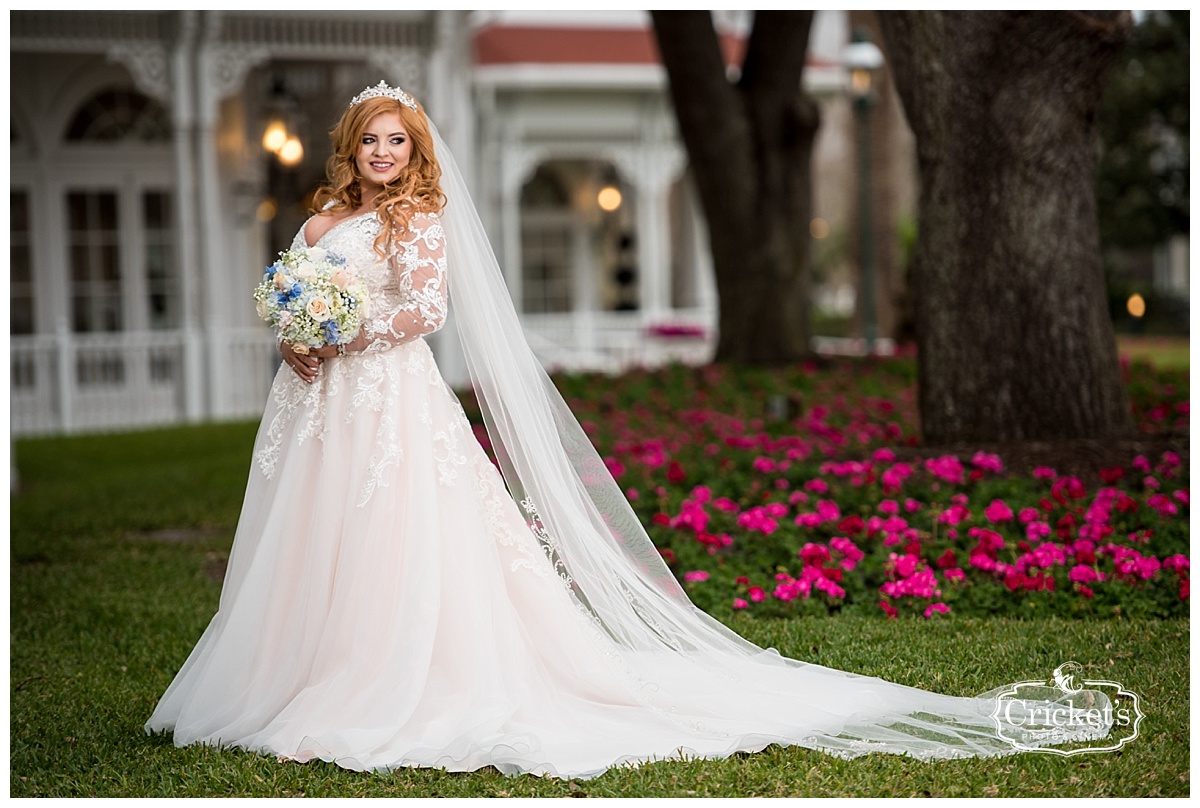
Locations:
column 386, row 605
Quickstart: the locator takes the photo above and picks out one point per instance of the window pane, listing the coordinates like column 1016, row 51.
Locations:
column 162, row 280
column 95, row 261
column 20, row 283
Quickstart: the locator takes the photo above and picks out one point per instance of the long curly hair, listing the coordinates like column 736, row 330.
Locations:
column 417, row 189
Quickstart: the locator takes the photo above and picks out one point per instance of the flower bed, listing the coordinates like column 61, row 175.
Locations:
column 805, row 490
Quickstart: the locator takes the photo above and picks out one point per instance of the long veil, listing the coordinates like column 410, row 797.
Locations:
column 725, row 692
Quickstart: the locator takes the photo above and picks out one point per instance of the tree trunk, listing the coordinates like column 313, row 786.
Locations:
column 750, row 147
column 1014, row 338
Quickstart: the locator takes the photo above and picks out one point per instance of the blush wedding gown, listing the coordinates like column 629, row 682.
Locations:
column 389, row 604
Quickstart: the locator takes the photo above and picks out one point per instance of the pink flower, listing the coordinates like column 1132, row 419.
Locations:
column 695, row 575
column 948, row 468
column 725, row 504
column 1176, row 562
column 765, row 465
column 1083, row 574
column 817, row 486
column 998, row 512
column 889, row 506
column 738, row 603
column 1028, row 515
column 757, row 594
column 936, row 608
column 1141, row 463
column 1044, row 473
column 954, row 515
column 987, row 462
column 1036, row 531
column 955, row 574
column 828, row 510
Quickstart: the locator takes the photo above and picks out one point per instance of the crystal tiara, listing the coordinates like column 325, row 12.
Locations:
column 382, row 89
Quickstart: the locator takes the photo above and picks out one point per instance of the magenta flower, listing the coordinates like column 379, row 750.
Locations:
column 725, row 504
column 817, row 486
column 695, row 575
column 936, row 608
column 948, row 468
column 987, row 462
column 1044, row 473
column 1036, row 531
column 1163, row 504
column 1082, row 574
column 1176, row 562
column 738, row 603
column 757, row 594
column 998, row 512
column 954, row 515
column 828, row 510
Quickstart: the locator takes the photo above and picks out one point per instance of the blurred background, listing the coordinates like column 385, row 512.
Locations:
column 159, row 160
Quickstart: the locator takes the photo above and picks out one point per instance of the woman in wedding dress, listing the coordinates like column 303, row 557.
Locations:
column 392, row 601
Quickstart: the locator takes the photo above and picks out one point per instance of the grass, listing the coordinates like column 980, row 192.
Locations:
column 106, row 603
column 1165, row 353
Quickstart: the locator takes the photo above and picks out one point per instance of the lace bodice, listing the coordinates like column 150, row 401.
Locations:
column 408, row 290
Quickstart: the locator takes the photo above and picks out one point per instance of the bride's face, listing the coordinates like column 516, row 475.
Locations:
column 383, row 151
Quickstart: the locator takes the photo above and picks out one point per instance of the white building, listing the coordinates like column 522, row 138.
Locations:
column 144, row 205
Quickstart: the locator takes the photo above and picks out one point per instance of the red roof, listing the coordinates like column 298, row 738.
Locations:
column 508, row 45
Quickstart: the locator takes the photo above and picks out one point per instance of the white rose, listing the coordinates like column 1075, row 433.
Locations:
column 317, row 253
column 318, row 309
column 306, row 271
column 262, row 309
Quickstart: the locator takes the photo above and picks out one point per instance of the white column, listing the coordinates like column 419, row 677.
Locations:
column 583, row 284
column 188, row 233
column 220, row 71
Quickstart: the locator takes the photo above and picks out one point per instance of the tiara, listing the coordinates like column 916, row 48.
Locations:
column 382, row 89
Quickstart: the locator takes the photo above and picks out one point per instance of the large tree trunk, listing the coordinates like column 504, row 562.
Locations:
column 750, row 147
column 1014, row 337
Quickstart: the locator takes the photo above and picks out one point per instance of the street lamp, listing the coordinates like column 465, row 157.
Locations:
column 863, row 60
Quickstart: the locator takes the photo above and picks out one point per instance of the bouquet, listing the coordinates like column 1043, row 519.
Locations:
column 312, row 299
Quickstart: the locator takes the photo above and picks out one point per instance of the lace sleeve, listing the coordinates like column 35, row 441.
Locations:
column 420, row 266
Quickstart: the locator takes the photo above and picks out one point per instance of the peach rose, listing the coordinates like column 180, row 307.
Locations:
column 318, row 309
column 281, row 281
column 340, row 279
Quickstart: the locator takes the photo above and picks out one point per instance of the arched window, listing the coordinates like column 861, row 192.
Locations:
column 115, row 115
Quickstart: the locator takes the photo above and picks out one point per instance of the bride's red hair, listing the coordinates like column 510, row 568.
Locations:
column 417, row 189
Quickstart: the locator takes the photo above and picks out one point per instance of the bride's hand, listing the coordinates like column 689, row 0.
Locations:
column 305, row 365
column 329, row 351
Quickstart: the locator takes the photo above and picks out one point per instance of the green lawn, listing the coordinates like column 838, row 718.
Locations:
column 1165, row 353
column 116, row 543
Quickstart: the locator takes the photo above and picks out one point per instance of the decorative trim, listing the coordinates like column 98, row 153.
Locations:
column 402, row 67
column 149, row 64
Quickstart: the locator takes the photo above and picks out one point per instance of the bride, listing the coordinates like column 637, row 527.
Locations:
column 392, row 601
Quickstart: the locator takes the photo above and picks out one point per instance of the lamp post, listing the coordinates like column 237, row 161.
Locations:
column 862, row 60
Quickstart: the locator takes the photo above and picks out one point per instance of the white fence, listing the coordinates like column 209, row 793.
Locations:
column 69, row 383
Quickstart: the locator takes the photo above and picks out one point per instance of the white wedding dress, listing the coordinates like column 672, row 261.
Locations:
column 388, row 604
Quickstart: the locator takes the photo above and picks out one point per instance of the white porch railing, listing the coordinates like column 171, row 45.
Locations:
column 66, row 382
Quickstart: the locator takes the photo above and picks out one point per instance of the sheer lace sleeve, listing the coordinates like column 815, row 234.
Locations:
column 420, row 266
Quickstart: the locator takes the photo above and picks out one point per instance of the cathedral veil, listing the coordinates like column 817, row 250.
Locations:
column 683, row 663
